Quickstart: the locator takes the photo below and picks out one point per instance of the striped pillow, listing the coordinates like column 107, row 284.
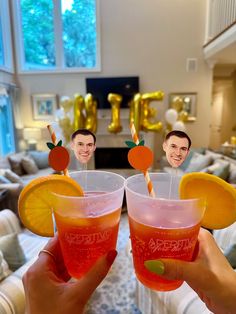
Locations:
column 12, row 251
column 9, row 222
column 4, row 268
column 12, row 296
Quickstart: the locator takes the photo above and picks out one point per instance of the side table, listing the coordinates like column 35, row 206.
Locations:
column 3, row 198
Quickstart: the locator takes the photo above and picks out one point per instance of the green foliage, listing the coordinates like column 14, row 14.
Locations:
column 38, row 32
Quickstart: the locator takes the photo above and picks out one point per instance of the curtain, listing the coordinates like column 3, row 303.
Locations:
column 7, row 138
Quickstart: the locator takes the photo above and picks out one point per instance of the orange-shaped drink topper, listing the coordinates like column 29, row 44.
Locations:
column 59, row 156
column 140, row 157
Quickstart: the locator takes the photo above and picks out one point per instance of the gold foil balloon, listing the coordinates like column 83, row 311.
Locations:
column 147, row 112
column 183, row 116
column 177, row 103
column 159, row 95
column 115, row 101
column 79, row 108
column 66, row 103
column 67, row 128
column 136, row 106
column 91, row 113
column 233, row 140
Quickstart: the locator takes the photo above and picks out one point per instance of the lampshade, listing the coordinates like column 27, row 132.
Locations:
column 32, row 134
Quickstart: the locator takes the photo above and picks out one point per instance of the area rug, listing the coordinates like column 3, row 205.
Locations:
column 116, row 294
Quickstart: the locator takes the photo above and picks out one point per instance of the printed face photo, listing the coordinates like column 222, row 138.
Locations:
column 83, row 147
column 176, row 149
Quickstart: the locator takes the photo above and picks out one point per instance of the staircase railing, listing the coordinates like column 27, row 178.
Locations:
column 221, row 16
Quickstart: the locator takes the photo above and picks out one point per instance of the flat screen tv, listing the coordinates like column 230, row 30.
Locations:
column 101, row 87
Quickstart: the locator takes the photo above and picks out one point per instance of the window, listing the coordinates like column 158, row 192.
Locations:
column 5, row 38
column 7, row 142
column 59, row 35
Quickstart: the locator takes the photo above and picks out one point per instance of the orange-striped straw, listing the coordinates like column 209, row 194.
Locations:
column 54, row 140
column 145, row 173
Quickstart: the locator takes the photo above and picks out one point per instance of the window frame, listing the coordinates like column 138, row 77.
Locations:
column 6, row 37
column 59, row 67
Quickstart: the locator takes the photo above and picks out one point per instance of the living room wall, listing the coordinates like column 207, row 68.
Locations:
column 151, row 39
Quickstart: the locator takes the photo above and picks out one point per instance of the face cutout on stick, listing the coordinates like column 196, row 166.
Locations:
column 176, row 146
column 83, row 144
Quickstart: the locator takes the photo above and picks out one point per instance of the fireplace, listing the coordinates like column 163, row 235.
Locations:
column 111, row 158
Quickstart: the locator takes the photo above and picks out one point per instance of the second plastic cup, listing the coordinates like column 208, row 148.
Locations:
column 160, row 227
column 88, row 226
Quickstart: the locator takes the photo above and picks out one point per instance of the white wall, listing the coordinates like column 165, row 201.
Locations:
column 151, row 39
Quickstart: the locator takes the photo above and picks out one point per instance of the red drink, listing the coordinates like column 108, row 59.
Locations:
column 84, row 240
column 150, row 243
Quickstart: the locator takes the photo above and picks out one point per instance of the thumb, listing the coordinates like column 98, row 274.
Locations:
column 85, row 286
column 174, row 269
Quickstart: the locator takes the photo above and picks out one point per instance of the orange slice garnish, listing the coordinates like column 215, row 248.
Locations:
column 219, row 195
column 36, row 201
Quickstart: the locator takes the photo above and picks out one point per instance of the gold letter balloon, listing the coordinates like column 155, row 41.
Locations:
column 79, row 108
column 147, row 112
column 91, row 113
column 115, row 101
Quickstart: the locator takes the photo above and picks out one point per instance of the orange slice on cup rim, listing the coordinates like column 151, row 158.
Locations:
column 219, row 195
column 36, row 201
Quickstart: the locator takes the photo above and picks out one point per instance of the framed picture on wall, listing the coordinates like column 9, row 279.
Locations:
column 44, row 106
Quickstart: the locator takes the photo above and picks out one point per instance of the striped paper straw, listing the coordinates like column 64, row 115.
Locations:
column 145, row 173
column 54, row 140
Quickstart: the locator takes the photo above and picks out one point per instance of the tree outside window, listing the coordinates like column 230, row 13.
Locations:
column 58, row 34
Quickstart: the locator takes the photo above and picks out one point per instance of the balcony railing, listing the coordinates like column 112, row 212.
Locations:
column 221, row 16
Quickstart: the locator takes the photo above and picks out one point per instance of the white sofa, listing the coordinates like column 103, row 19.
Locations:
column 183, row 300
column 204, row 161
column 12, row 298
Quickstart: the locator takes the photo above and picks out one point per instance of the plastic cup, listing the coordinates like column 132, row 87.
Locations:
column 88, row 226
column 160, row 227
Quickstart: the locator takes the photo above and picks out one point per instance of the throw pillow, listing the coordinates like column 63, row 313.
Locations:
column 40, row 158
column 15, row 162
column 221, row 169
column 4, row 180
column 4, row 268
column 186, row 163
column 4, row 163
column 230, row 254
column 9, row 222
column 29, row 165
column 213, row 154
column 232, row 177
column 12, row 251
column 13, row 177
column 198, row 163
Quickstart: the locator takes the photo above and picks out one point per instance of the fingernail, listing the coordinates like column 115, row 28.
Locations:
column 155, row 266
column 111, row 255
